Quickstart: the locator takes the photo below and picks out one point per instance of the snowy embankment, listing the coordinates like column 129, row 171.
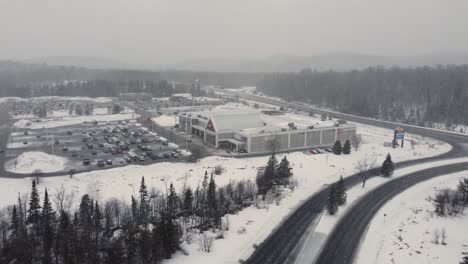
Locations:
column 71, row 120
column 310, row 171
column 326, row 223
column 165, row 120
column 406, row 233
column 29, row 162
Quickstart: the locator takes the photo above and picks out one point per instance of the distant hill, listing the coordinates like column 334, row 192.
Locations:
column 87, row 62
column 324, row 62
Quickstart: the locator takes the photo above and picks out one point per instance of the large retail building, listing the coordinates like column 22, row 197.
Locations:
column 247, row 131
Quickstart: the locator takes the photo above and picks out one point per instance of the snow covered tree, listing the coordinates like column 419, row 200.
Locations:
column 271, row 169
column 266, row 178
column 211, row 198
column 347, row 147
column 48, row 229
column 34, row 206
column 337, row 149
column 341, row 195
column 332, row 204
column 144, row 203
column 284, row 172
column 172, row 202
column 465, row 259
column 387, row 167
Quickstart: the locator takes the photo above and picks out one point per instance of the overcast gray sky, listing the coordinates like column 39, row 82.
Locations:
column 155, row 32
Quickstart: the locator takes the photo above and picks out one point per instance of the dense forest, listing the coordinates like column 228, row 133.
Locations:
column 27, row 80
column 421, row 95
column 47, row 229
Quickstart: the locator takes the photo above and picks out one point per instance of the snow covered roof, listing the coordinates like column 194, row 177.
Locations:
column 186, row 95
column 236, row 120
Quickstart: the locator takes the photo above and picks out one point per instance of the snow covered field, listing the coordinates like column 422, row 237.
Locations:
column 406, row 234
column 71, row 120
column 311, row 172
column 165, row 120
column 29, row 162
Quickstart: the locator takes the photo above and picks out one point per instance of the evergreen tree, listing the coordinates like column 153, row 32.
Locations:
column 65, row 239
column 341, row 195
column 337, row 149
column 48, row 226
column 387, row 166
column 14, row 223
column 332, row 204
column 212, row 202
column 271, row 170
column 464, row 260
column 188, row 201
column 347, row 147
column 135, row 211
column 172, row 202
column 34, row 206
column 284, row 171
column 157, row 243
column 144, row 202
column 144, row 246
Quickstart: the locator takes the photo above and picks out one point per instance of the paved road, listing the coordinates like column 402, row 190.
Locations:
column 343, row 242
column 279, row 246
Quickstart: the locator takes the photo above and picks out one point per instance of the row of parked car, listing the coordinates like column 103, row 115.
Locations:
column 318, row 151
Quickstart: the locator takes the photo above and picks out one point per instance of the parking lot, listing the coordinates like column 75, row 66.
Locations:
column 98, row 144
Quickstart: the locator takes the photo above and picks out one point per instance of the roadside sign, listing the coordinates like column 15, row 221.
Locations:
column 399, row 134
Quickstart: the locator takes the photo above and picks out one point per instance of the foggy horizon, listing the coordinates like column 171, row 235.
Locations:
column 158, row 33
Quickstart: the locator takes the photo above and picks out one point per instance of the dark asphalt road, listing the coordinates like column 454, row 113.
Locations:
column 343, row 242
column 278, row 247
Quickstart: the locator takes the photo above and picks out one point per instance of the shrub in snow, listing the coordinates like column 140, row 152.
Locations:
column 218, row 170
column 241, row 230
column 205, row 242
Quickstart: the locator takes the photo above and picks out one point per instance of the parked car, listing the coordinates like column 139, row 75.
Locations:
column 74, row 154
column 329, row 150
column 94, row 152
column 319, row 151
column 141, row 158
column 69, row 133
column 313, row 151
column 25, row 142
column 65, row 149
column 167, row 155
column 56, row 142
column 127, row 159
column 109, row 162
column 86, row 162
column 100, row 163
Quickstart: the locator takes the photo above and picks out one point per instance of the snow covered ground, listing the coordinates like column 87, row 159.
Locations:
column 71, row 120
column 29, row 162
column 165, row 120
column 311, row 172
column 406, row 234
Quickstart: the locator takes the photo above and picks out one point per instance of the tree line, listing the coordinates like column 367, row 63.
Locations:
column 421, row 95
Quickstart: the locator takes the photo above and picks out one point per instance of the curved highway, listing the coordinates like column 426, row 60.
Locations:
column 343, row 242
column 279, row 246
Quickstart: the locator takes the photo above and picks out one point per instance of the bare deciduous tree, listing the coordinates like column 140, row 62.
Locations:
column 356, row 141
column 363, row 167
column 274, row 143
column 206, row 242
column 62, row 199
